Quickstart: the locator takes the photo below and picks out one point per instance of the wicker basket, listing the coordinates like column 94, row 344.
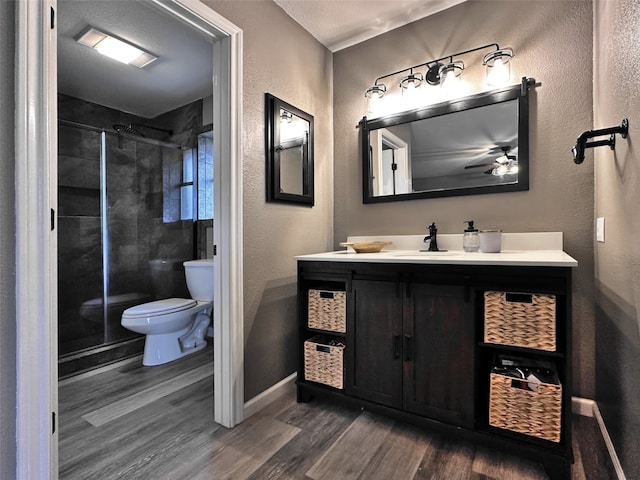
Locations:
column 323, row 363
column 536, row 413
column 522, row 320
column 327, row 310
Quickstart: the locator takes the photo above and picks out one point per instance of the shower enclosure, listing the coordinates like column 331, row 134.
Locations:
column 124, row 228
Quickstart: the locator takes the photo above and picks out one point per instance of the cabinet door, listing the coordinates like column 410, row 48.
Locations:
column 374, row 343
column 438, row 353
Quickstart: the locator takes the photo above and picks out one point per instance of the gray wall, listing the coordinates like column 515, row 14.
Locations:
column 283, row 59
column 617, row 196
column 552, row 41
column 7, row 245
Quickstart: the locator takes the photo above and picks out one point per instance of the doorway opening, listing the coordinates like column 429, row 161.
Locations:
column 36, row 231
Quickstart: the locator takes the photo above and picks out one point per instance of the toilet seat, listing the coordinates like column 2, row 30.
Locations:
column 159, row 307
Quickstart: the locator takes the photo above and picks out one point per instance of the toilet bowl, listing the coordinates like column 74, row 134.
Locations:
column 175, row 327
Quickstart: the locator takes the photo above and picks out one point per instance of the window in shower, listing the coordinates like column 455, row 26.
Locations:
column 188, row 185
column 205, row 176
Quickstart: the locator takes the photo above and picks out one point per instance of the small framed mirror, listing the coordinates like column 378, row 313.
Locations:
column 289, row 149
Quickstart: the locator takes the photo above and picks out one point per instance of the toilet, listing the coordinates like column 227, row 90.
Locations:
column 175, row 327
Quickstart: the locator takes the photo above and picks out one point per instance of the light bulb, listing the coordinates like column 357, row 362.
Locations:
column 374, row 101
column 411, row 94
column 450, row 84
column 498, row 67
column 498, row 74
column 500, row 170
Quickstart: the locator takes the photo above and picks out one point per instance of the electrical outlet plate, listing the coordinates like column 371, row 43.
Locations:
column 600, row 229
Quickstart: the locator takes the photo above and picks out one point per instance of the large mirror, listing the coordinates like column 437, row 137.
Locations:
column 289, row 147
column 472, row 145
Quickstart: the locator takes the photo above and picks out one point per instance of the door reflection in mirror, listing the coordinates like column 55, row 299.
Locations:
column 294, row 140
column 289, row 153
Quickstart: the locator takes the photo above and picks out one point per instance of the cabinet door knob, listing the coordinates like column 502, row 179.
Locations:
column 408, row 348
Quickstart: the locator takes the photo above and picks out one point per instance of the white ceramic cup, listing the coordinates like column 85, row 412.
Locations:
column 490, row 241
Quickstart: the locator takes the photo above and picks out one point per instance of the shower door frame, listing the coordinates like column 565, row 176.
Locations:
column 36, row 243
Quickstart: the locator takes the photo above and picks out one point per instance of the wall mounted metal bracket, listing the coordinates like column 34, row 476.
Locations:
column 582, row 144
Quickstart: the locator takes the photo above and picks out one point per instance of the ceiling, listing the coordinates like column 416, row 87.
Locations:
column 184, row 70
column 182, row 73
column 339, row 24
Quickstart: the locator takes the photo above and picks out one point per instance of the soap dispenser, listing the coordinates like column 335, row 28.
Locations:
column 471, row 238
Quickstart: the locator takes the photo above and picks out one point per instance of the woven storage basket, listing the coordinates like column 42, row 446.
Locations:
column 538, row 413
column 522, row 320
column 323, row 363
column 327, row 310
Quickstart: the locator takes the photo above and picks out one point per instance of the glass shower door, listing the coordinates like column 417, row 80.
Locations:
column 80, row 265
column 118, row 245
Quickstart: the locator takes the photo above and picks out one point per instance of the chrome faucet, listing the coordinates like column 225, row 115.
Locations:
column 432, row 239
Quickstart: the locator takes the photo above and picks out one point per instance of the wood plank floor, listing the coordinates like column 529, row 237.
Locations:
column 135, row 422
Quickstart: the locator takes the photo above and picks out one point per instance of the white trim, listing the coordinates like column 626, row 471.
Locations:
column 582, row 406
column 607, row 440
column 228, row 314
column 589, row 408
column 286, row 386
column 36, row 245
column 36, row 261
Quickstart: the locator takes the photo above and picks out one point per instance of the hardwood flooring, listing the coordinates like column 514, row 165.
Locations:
column 156, row 423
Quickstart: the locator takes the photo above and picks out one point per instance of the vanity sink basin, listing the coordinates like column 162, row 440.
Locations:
column 420, row 253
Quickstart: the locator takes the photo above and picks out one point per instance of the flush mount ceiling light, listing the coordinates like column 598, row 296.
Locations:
column 115, row 48
column 496, row 63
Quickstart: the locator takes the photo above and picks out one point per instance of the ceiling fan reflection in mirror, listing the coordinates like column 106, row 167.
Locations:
column 505, row 164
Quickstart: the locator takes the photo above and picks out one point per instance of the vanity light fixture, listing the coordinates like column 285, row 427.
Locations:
column 498, row 68
column 450, row 76
column 374, row 95
column 446, row 68
column 285, row 116
column 115, row 48
column 413, row 80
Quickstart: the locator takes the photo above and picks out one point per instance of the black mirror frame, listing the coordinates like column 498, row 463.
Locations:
column 272, row 135
column 519, row 92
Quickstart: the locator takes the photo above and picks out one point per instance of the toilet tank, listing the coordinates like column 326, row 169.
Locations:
column 167, row 277
column 199, row 274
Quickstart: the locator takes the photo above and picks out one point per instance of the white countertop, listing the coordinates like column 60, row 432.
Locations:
column 526, row 249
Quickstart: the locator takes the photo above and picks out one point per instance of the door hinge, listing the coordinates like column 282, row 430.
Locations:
column 53, row 18
column 53, row 423
column 215, row 250
column 53, row 219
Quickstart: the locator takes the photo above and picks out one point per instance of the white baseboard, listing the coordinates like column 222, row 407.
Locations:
column 582, row 406
column 589, row 408
column 261, row 400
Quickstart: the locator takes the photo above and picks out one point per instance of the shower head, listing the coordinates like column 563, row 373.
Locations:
column 127, row 129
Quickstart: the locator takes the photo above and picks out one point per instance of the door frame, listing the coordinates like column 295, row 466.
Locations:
column 36, row 236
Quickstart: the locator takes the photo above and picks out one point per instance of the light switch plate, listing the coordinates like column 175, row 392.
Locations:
column 600, row 229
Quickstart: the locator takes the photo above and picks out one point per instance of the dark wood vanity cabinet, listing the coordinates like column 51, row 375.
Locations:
column 414, row 347
column 411, row 348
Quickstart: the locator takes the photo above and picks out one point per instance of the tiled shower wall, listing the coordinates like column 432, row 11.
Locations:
column 136, row 230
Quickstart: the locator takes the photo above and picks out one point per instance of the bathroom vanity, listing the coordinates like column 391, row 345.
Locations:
column 409, row 334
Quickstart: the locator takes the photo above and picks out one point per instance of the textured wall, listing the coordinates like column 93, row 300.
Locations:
column 617, row 196
column 7, row 245
column 552, row 41
column 283, row 59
